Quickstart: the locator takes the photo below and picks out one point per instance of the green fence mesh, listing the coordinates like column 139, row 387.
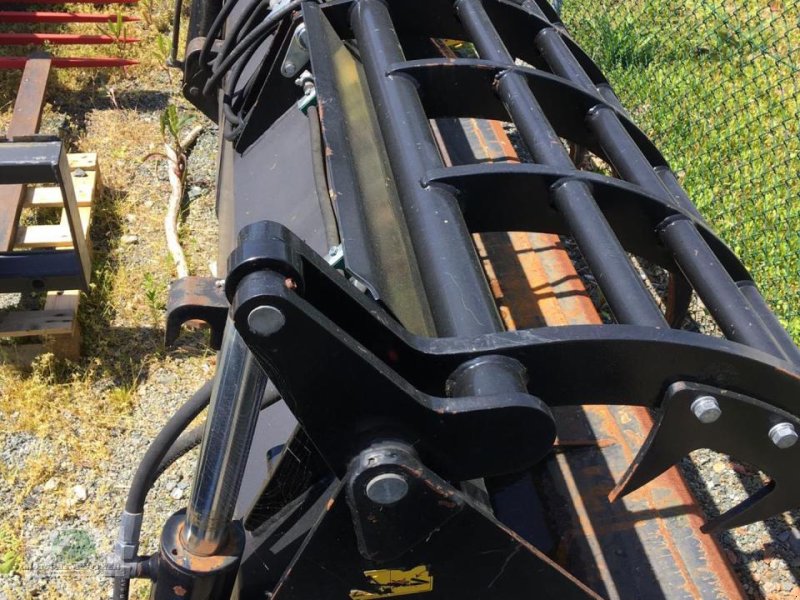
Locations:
column 716, row 84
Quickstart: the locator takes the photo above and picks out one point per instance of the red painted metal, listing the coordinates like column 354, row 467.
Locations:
column 35, row 16
column 71, row 1
column 24, row 39
column 18, row 62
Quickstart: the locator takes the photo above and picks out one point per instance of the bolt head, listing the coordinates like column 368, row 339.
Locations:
column 783, row 435
column 265, row 320
column 387, row 488
column 289, row 68
column 706, row 409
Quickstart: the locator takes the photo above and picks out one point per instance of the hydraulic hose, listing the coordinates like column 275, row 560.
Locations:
column 170, row 444
column 122, row 588
column 148, row 468
column 214, row 30
column 193, row 437
column 256, row 36
column 127, row 544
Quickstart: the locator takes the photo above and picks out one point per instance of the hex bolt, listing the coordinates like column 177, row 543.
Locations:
column 706, row 409
column 783, row 435
column 387, row 488
column 288, row 68
column 265, row 320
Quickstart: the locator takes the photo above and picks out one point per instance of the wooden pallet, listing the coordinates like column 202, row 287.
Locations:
column 57, row 321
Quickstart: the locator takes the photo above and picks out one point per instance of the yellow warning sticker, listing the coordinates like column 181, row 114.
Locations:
column 387, row 583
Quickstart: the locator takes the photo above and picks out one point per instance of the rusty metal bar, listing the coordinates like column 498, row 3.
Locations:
column 37, row 16
column 24, row 2
column 25, row 120
column 19, row 62
column 24, row 39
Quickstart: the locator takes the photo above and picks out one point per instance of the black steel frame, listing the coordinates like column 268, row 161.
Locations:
column 642, row 211
column 32, row 160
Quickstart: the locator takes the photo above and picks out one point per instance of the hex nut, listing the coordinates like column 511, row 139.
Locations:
column 783, row 435
column 706, row 409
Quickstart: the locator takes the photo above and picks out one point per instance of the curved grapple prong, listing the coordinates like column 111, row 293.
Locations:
column 741, row 429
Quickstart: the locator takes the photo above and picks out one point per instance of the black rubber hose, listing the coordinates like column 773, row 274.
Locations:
column 259, row 33
column 232, row 96
column 213, row 32
column 252, row 40
column 168, row 446
column 148, row 467
column 244, row 23
column 320, row 179
column 122, row 587
column 146, row 472
column 193, row 437
column 228, row 108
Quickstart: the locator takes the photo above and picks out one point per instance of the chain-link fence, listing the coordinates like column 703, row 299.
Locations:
column 716, row 84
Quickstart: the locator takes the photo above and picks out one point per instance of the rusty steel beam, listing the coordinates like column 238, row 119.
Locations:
column 19, row 62
column 25, row 120
column 536, row 284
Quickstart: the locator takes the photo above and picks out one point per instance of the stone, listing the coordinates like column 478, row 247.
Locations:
column 80, row 493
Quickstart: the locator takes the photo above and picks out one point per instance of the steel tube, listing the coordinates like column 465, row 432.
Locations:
column 630, row 162
column 232, row 415
column 460, row 299
column 670, row 181
column 618, row 279
column 620, row 149
column 782, row 338
column 720, row 294
column 455, row 285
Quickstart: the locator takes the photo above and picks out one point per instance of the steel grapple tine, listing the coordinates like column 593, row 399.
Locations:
column 694, row 417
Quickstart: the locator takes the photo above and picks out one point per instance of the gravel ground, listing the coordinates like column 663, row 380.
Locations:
column 63, row 480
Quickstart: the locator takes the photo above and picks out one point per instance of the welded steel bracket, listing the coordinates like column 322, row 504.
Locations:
column 297, row 54
column 195, row 78
column 346, row 368
column 731, row 423
column 196, row 299
column 414, row 533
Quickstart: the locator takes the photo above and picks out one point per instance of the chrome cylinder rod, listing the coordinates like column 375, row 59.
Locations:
column 231, row 422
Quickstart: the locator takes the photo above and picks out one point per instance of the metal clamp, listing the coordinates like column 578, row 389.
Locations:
column 297, row 55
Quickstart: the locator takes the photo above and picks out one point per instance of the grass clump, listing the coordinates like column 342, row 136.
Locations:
column 716, row 84
column 73, row 546
column 10, row 551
